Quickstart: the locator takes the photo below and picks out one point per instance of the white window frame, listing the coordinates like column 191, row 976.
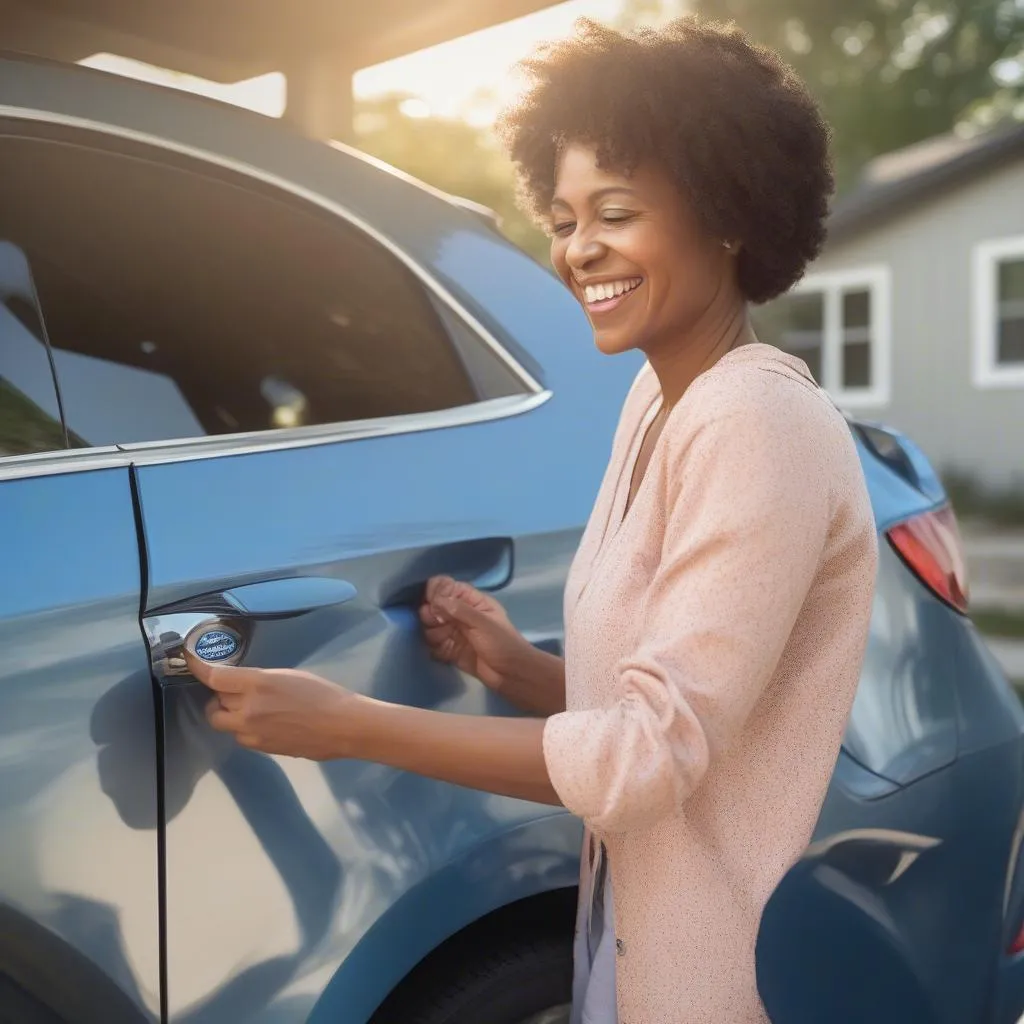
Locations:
column 831, row 284
column 985, row 259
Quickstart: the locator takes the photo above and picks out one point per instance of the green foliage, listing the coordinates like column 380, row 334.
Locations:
column 888, row 73
column 24, row 427
column 655, row 13
column 997, row 622
column 972, row 500
column 451, row 155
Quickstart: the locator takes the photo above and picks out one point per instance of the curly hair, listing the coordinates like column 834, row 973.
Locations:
column 730, row 122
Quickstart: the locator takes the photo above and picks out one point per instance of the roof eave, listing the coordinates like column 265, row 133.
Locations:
column 863, row 209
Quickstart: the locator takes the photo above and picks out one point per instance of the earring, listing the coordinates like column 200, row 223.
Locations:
column 727, row 245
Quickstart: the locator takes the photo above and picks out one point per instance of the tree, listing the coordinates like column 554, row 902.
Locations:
column 889, row 73
column 451, row 155
column 655, row 13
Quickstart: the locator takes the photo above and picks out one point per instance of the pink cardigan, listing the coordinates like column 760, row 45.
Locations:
column 714, row 640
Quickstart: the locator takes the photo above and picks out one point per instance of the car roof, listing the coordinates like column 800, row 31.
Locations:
column 75, row 94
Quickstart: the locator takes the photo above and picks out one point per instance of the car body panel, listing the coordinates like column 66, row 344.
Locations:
column 545, row 851
column 872, row 923
column 923, row 914
column 904, row 721
column 330, row 847
column 78, row 785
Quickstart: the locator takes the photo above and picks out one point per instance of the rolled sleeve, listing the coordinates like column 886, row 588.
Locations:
column 746, row 500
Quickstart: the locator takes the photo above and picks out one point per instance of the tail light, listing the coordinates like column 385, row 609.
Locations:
column 930, row 546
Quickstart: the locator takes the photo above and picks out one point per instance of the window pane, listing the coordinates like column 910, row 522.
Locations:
column 857, row 365
column 180, row 305
column 491, row 377
column 25, row 428
column 794, row 323
column 856, row 309
column 856, row 339
column 1011, row 279
column 1010, row 340
column 29, row 414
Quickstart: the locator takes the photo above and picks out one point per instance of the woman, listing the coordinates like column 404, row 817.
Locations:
column 718, row 607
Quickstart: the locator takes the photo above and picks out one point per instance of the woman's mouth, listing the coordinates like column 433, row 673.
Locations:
column 609, row 295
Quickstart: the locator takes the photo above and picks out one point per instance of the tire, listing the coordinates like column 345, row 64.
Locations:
column 18, row 1007
column 527, row 980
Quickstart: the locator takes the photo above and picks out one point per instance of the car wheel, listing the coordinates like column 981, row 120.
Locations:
column 556, row 1015
column 524, row 981
column 18, row 1007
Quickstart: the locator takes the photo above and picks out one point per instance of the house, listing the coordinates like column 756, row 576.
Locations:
column 914, row 313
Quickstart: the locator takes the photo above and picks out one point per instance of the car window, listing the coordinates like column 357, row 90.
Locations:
column 181, row 304
column 29, row 411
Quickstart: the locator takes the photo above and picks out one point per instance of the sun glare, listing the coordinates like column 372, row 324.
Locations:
column 469, row 77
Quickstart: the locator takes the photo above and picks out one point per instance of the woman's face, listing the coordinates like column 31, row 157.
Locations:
column 632, row 252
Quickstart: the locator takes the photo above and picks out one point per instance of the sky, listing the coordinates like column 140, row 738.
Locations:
column 445, row 80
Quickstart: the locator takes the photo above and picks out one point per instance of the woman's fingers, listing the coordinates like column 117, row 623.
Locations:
column 442, row 589
column 429, row 615
column 221, row 718
column 436, row 635
column 450, row 611
column 444, row 642
column 436, row 586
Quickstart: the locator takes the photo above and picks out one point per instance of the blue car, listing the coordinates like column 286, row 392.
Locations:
column 254, row 392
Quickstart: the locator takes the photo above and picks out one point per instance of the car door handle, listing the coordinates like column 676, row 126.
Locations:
column 213, row 626
column 271, row 599
column 486, row 563
column 279, row 599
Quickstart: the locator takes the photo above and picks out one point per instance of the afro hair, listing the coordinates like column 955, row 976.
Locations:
column 732, row 124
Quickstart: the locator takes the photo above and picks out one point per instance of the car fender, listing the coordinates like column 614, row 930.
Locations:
column 539, row 856
column 830, row 947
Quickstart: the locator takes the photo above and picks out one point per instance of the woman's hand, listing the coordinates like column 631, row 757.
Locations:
column 470, row 630
column 278, row 711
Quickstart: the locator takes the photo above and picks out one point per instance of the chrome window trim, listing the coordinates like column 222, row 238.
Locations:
column 153, row 453
column 208, row 447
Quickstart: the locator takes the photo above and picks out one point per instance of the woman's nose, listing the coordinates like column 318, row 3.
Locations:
column 583, row 249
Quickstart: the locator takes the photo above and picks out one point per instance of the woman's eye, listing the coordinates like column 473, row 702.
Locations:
column 563, row 228
column 616, row 216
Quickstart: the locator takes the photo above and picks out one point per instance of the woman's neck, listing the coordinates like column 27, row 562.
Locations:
column 680, row 363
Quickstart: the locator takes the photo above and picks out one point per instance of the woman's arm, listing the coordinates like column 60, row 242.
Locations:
column 285, row 711
column 497, row 755
column 537, row 685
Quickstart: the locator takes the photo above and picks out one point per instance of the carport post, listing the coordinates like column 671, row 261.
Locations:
column 319, row 97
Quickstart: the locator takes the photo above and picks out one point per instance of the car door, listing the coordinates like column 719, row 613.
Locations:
column 79, row 921
column 316, row 428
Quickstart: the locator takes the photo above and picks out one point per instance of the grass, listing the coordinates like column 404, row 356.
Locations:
column 971, row 499
column 998, row 623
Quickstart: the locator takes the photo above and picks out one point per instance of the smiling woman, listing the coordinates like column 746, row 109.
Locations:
column 696, row 718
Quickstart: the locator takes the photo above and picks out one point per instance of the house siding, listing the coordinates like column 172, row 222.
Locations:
column 928, row 250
